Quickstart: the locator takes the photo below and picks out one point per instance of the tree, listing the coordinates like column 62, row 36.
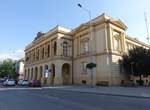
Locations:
column 7, row 68
column 91, row 65
column 137, row 62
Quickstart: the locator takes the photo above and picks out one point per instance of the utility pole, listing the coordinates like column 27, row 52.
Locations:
column 147, row 29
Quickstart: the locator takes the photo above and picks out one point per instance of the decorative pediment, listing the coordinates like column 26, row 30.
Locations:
column 81, row 27
column 119, row 23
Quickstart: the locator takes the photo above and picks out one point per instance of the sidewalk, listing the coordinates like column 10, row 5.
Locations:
column 137, row 92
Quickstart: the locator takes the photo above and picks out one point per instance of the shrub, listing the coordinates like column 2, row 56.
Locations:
column 140, row 82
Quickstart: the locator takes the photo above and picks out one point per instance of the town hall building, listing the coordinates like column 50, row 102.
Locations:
column 60, row 56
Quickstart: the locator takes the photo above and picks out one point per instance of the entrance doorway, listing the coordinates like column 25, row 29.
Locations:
column 66, row 74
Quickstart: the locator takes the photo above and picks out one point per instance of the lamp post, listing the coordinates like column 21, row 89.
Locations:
column 91, row 46
column 90, row 22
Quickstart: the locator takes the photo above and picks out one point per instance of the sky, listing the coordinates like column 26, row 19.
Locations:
column 20, row 20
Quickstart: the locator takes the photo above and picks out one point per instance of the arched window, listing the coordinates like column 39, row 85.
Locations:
column 43, row 53
column 55, row 48
column 37, row 56
column 48, row 51
column 65, row 48
column 33, row 55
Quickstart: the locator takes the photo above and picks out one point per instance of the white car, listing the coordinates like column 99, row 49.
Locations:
column 20, row 81
column 9, row 82
column 25, row 83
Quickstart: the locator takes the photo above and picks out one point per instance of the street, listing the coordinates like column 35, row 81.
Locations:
column 52, row 99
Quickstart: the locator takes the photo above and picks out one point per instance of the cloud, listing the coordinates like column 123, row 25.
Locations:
column 13, row 55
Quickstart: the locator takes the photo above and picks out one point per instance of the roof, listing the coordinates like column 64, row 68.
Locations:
column 41, row 36
column 102, row 19
column 137, row 41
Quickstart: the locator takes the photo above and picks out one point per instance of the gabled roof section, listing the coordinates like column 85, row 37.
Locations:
column 59, row 28
column 101, row 19
column 81, row 27
column 119, row 23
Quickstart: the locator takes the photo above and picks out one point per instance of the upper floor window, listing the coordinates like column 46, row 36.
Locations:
column 55, row 48
column 37, row 54
column 65, row 48
column 27, row 57
column 43, row 53
column 33, row 55
column 48, row 51
column 84, row 69
column 130, row 47
column 117, row 41
column 85, row 46
column 30, row 56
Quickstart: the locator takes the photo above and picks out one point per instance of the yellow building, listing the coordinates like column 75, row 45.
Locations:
column 60, row 56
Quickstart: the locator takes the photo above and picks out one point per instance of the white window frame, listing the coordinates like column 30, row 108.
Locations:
column 85, row 46
column 84, row 69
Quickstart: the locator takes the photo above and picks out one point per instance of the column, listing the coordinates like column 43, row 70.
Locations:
column 50, row 49
column 58, row 74
column 110, row 36
column 58, row 51
column 30, row 72
column 49, row 74
column 43, row 77
column 38, row 74
column 123, row 41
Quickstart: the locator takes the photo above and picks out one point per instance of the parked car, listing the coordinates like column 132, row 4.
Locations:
column 9, row 82
column 25, row 83
column 35, row 83
column 2, row 80
column 4, row 83
column 20, row 81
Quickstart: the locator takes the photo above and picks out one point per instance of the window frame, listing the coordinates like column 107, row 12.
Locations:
column 85, row 46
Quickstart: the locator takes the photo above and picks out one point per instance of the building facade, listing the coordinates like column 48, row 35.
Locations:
column 19, row 68
column 60, row 56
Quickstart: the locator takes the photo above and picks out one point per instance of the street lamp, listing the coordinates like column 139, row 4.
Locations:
column 89, row 12
column 91, row 46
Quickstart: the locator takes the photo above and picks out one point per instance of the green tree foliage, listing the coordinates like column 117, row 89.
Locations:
column 91, row 65
column 7, row 68
column 137, row 62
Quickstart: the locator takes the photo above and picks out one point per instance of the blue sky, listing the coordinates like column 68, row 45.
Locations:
column 20, row 20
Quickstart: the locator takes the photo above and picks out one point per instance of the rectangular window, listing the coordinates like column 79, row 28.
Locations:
column 117, row 41
column 84, row 69
column 85, row 46
column 117, row 44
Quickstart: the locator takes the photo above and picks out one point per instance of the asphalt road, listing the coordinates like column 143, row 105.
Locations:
column 52, row 99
